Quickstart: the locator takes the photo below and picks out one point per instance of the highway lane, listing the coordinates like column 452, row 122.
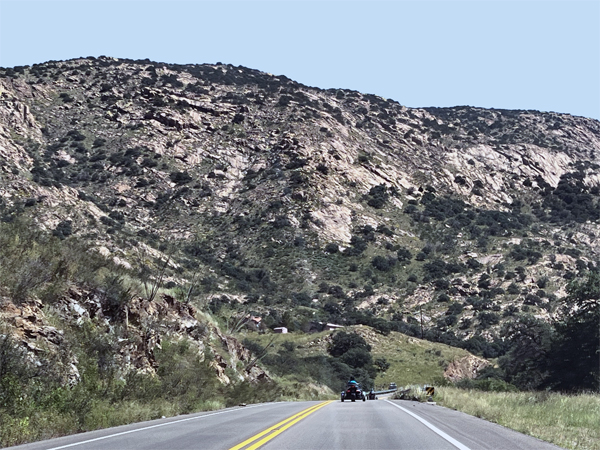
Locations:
column 210, row 430
column 380, row 424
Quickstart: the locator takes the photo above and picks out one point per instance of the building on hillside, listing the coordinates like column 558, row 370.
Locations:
column 317, row 327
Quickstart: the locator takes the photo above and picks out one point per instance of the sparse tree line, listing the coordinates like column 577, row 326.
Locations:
column 561, row 355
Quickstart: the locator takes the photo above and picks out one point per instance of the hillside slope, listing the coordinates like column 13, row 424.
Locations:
column 249, row 193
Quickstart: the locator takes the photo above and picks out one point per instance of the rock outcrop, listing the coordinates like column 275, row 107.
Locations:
column 466, row 367
column 146, row 324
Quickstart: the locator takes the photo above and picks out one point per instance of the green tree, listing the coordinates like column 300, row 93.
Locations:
column 357, row 357
column 529, row 340
column 381, row 364
column 575, row 358
column 342, row 342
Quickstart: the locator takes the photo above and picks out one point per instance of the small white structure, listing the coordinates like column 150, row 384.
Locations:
column 332, row 326
column 282, row 330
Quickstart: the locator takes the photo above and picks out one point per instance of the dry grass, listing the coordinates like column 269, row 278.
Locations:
column 570, row 421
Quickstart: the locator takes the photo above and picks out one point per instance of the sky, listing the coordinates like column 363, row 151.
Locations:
column 507, row 54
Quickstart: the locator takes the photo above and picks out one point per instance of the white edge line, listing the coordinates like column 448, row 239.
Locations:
column 432, row 428
column 150, row 427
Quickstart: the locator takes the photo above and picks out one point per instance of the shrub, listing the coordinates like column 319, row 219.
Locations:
column 323, row 168
column 184, row 373
column 33, row 261
column 543, row 282
column 443, row 298
column 378, row 196
column 383, row 264
column 332, row 247
column 486, row 319
column 301, row 299
column 357, row 357
column 281, row 222
column 510, row 311
column 381, row 364
column 484, row 281
column 454, row 308
column 284, row 100
column 342, row 342
column 526, row 251
column 434, row 269
column 404, row 254
column 63, row 229
column 574, row 357
column 180, row 177
column 66, row 98
column 441, row 284
column 76, row 135
column 532, row 299
column 513, row 289
column 15, row 372
column 487, row 384
column 336, row 291
column 357, row 246
column 448, row 321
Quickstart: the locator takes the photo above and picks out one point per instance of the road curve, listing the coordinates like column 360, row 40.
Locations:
column 381, row 424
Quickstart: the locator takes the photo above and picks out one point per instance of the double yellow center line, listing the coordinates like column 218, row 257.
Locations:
column 265, row 436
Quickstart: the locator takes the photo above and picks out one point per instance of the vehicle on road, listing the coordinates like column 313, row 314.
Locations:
column 353, row 392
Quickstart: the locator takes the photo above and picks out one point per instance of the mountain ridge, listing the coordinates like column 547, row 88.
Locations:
column 258, row 194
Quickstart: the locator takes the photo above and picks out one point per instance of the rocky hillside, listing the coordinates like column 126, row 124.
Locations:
column 245, row 192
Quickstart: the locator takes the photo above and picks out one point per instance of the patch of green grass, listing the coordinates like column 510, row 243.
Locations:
column 46, row 424
column 412, row 360
column 570, row 421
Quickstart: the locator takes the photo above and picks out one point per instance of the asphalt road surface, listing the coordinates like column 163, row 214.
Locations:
column 380, row 424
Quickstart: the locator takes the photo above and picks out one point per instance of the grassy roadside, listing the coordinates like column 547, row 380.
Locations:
column 41, row 423
column 570, row 421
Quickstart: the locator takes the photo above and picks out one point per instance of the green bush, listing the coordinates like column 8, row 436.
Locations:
column 180, row 177
column 332, row 247
column 33, row 261
column 404, row 255
column 383, row 264
column 15, row 373
column 343, row 342
column 378, row 196
column 357, row 357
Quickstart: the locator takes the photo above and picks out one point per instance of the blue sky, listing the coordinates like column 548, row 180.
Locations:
column 542, row 55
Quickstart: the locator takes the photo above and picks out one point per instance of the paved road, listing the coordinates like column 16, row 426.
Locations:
column 381, row 424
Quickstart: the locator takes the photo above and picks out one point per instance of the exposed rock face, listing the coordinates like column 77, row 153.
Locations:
column 137, row 131
column 466, row 367
column 43, row 343
column 147, row 324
